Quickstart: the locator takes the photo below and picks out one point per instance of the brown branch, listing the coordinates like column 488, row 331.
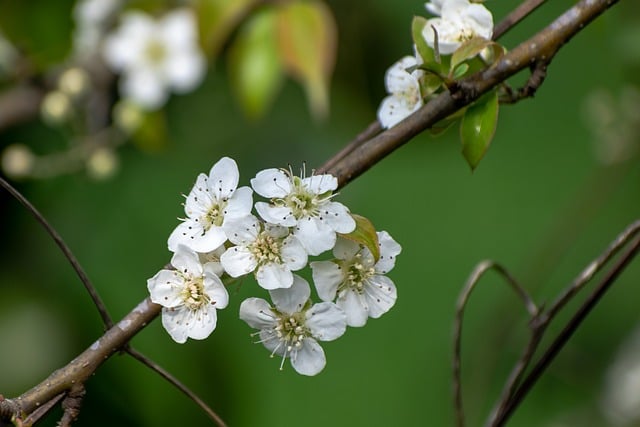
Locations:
column 517, row 15
column 19, row 104
column 540, row 47
column 358, row 159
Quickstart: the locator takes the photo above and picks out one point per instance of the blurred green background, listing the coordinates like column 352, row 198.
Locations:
column 540, row 203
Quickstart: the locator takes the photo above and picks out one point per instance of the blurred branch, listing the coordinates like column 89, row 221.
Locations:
column 19, row 104
column 517, row 15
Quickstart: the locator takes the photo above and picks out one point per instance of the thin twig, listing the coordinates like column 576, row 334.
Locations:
column 93, row 293
column 177, row 384
column 477, row 273
column 566, row 333
column 517, row 15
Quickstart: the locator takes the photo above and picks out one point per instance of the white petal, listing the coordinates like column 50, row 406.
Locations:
column 326, row 321
column 271, row 183
column 179, row 28
column 293, row 254
column 223, row 178
column 394, row 109
column 389, row 249
column 124, row 47
column 355, row 306
column 173, row 321
column 274, row 276
column 269, row 338
column 207, row 241
column 338, row 217
column 164, row 288
column 320, row 184
column 345, row 249
column 200, row 198
column 397, row 79
column 381, row 295
column 186, row 261
column 276, row 214
column 185, row 71
column 292, row 300
column 202, row 322
column 238, row 261
column 315, row 235
column 309, row 359
column 327, row 275
column 239, row 204
column 276, row 231
column 257, row 313
column 242, row 231
column 482, row 20
column 214, row 288
column 145, row 87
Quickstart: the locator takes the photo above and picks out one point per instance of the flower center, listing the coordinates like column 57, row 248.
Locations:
column 357, row 274
column 291, row 331
column 214, row 216
column 193, row 294
column 155, row 51
column 266, row 249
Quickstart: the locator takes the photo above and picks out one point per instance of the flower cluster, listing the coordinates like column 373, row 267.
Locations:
column 414, row 78
column 220, row 239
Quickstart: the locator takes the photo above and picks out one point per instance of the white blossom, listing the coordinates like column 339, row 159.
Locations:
column 267, row 249
column 91, row 19
column 404, row 92
column 306, row 205
column 458, row 22
column 358, row 281
column 293, row 327
column 213, row 199
column 156, row 56
column 189, row 296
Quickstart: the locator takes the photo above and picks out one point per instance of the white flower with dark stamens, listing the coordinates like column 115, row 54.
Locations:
column 360, row 284
column 213, row 200
column 269, row 251
column 293, row 327
column 458, row 22
column 189, row 296
column 404, row 90
column 305, row 205
column 156, row 56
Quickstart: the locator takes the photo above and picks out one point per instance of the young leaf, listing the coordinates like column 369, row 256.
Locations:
column 365, row 234
column 468, row 50
column 478, row 127
column 307, row 45
column 426, row 53
column 217, row 19
column 254, row 63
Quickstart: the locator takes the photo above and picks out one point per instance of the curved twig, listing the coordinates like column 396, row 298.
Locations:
column 93, row 293
column 176, row 383
column 475, row 276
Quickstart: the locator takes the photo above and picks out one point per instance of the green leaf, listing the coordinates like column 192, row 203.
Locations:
column 255, row 67
column 365, row 234
column 307, row 42
column 468, row 50
column 460, row 70
column 478, row 127
column 218, row 18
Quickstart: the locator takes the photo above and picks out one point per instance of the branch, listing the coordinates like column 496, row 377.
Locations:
column 19, row 104
column 93, row 293
column 539, row 48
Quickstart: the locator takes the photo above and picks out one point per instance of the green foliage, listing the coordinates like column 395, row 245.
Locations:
column 307, row 40
column 365, row 234
column 254, row 63
column 477, row 128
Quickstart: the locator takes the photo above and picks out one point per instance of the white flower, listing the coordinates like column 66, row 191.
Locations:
column 459, row 21
column 435, row 7
column 213, row 258
column 359, row 282
column 213, row 200
column 404, row 90
column 189, row 296
column 155, row 57
column 305, row 204
column 270, row 251
column 91, row 18
column 293, row 327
